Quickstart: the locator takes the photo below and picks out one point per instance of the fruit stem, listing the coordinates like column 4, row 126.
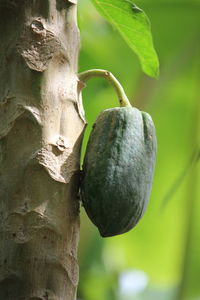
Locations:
column 123, row 100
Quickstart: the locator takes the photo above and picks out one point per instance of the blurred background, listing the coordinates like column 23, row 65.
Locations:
column 160, row 258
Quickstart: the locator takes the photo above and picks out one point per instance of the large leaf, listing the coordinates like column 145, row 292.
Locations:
column 134, row 26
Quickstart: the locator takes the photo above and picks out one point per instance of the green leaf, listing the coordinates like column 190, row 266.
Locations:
column 134, row 26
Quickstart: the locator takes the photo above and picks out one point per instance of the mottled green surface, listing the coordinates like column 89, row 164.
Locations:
column 118, row 169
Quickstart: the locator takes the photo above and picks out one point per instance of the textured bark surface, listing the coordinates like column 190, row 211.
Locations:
column 41, row 127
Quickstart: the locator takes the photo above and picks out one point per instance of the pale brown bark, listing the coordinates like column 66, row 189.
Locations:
column 41, row 127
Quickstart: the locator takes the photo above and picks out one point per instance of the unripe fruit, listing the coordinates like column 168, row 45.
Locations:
column 118, row 169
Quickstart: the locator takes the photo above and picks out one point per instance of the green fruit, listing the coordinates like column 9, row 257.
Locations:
column 118, row 169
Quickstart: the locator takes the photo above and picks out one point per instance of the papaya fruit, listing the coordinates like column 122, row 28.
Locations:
column 118, row 169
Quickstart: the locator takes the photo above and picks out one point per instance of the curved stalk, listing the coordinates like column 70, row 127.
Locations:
column 123, row 100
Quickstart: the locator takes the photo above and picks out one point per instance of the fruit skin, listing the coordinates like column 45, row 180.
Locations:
column 118, row 169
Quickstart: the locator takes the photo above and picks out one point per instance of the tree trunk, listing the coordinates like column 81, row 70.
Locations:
column 41, row 128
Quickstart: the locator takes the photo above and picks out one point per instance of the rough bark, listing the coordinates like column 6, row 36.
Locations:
column 41, row 127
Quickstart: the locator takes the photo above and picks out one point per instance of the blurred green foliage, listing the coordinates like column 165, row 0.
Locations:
column 165, row 245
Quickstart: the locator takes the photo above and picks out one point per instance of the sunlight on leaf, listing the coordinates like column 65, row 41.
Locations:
column 134, row 26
